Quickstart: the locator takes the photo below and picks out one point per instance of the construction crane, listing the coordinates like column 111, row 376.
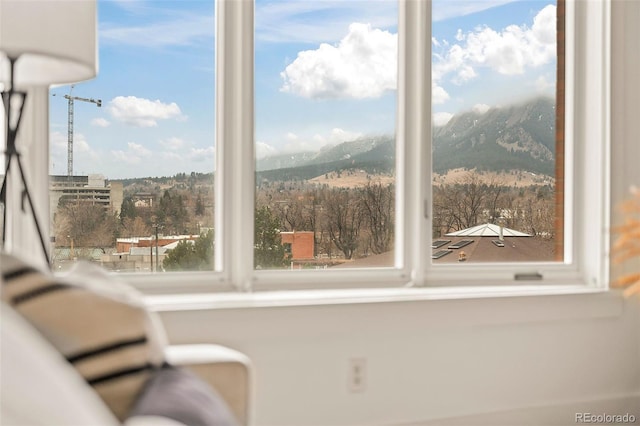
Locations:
column 71, row 100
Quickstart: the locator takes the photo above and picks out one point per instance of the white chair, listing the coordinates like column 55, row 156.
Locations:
column 39, row 387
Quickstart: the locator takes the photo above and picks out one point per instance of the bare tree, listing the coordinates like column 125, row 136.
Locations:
column 377, row 203
column 344, row 218
column 313, row 207
column 539, row 214
column 290, row 212
column 464, row 203
column 86, row 224
column 135, row 227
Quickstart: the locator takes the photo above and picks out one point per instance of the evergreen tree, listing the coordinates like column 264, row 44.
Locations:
column 172, row 212
column 199, row 205
column 268, row 250
column 191, row 255
column 127, row 209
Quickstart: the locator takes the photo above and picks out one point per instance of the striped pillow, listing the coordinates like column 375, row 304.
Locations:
column 98, row 323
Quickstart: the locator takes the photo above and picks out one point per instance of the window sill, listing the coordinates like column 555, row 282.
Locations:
column 486, row 304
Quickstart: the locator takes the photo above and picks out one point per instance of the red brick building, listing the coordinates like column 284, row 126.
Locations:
column 298, row 244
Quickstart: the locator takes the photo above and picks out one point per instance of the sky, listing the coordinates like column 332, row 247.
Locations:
column 325, row 73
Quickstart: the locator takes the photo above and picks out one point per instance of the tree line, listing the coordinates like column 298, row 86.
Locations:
column 85, row 224
column 347, row 223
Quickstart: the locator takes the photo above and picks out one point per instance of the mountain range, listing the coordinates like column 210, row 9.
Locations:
column 516, row 137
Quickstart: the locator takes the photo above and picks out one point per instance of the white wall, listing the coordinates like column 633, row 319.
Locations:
column 531, row 360
column 429, row 359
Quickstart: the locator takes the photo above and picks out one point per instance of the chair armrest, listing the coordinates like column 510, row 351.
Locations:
column 226, row 370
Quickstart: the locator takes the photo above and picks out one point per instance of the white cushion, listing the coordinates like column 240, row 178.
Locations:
column 97, row 323
column 38, row 386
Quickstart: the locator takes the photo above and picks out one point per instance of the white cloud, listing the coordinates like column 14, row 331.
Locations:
column 508, row 52
column 124, row 157
column 543, row 85
column 201, row 154
column 174, row 157
column 178, row 150
column 100, row 122
column 438, row 94
column 142, row 112
column 58, row 142
column 338, row 135
column 58, row 147
column 80, row 144
column 133, row 155
column 139, row 150
column 263, row 150
column 296, row 143
column 362, row 65
column 544, row 25
column 481, row 108
column 83, row 153
column 317, row 141
column 441, row 118
column 173, row 144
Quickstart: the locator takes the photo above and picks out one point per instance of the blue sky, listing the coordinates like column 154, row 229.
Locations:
column 325, row 73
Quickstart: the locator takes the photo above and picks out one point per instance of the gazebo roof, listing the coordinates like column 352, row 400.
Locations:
column 487, row 230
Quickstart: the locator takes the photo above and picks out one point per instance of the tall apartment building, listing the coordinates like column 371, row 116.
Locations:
column 93, row 188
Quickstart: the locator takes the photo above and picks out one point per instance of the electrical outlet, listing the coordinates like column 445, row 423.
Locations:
column 357, row 375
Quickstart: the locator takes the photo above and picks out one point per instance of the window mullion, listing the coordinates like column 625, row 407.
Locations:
column 592, row 135
column 560, row 133
column 234, row 186
column 414, row 131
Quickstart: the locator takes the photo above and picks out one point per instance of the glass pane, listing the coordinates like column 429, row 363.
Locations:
column 132, row 151
column 497, row 157
column 325, row 87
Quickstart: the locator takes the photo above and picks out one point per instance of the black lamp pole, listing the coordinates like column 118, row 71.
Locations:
column 12, row 124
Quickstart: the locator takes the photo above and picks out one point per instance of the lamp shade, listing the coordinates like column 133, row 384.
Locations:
column 54, row 41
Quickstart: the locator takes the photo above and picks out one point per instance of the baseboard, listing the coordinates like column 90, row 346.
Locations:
column 574, row 413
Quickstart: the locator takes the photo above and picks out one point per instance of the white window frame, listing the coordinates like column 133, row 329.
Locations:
column 586, row 188
column 587, row 171
column 586, row 206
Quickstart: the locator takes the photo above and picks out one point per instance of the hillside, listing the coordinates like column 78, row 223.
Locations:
column 373, row 154
column 520, row 137
column 283, row 161
column 513, row 138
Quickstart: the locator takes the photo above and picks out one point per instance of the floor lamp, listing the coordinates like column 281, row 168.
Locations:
column 41, row 43
column 13, row 102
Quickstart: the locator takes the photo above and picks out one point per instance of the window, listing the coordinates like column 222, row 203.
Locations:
column 325, row 102
column 539, row 225
column 498, row 139
column 421, row 237
column 132, row 151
